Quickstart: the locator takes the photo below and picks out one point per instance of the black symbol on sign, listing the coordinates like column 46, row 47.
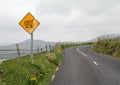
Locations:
column 28, row 23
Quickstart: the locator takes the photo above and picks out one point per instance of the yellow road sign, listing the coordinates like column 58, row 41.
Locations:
column 29, row 23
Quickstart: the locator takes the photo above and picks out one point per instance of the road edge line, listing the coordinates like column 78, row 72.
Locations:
column 54, row 75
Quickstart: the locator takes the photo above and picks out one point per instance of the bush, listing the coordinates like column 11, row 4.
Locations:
column 110, row 47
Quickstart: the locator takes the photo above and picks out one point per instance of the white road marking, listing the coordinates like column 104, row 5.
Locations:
column 1, row 62
column 81, row 52
column 57, row 69
column 95, row 63
column 86, row 55
column 53, row 77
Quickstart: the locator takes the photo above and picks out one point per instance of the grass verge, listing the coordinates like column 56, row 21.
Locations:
column 109, row 47
column 25, row 73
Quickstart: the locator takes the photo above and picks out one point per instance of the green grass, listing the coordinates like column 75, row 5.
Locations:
column 77, row 44
column 108, row 46
column 22, row 72
column 25, row 73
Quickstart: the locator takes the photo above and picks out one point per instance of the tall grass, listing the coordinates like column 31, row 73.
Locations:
column 23, row 72
column 109, row 47
column 75, row 44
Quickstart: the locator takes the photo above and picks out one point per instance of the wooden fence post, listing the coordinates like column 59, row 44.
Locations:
column 46, row 47
column 38, row 51
column 53, row 47
column 50, row 47
column 18, row 52
column 41, row 50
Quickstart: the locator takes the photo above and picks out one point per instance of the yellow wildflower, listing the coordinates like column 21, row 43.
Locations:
column 33, row 78
column 41, row 75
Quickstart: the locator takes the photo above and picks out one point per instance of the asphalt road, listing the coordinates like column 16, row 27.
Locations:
column 82, row 66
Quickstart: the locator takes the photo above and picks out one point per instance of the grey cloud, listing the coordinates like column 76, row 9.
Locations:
column 54, row 7
column 67, row 19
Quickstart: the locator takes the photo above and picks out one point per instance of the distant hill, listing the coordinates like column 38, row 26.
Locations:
column 106, row 36
column 27, row 43
column 22, row 45
column 4, row 44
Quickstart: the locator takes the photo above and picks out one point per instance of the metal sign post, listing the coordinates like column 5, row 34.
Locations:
column 32, row 47
column 29, row 24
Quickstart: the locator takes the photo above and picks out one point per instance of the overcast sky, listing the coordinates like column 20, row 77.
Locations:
column 61, row 20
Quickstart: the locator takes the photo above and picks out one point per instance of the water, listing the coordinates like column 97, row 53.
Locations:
column 7, row 55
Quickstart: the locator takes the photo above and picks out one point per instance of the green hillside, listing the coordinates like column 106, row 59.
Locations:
column 108, row 46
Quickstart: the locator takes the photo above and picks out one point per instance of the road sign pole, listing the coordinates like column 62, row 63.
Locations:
column 32, row 47
column 29, row 24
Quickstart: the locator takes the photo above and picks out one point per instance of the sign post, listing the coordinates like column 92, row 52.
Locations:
column 32, row 47
column 29, row 24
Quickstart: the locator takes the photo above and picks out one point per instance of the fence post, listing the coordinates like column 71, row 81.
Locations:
column 41, row 50
column 18, row 52
column 53, row 47
column 46, row 47
column 38, row 51
column 50, row 47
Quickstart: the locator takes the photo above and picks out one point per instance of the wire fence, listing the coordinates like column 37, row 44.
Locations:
column 7, row 54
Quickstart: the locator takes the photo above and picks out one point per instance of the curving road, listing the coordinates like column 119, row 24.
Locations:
column 82, row 66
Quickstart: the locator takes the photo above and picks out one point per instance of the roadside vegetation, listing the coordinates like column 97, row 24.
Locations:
column 108, row 46
column 75, row 44
column 22, row 72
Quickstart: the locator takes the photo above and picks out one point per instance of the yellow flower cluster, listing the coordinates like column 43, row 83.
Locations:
column 33, row 78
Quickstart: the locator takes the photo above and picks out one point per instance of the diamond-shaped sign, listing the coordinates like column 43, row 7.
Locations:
column 29, row 23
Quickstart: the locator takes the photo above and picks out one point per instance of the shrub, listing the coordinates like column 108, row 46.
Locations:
column 110, row 47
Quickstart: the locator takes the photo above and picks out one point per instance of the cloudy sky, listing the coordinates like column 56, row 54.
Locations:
column 61, row 20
